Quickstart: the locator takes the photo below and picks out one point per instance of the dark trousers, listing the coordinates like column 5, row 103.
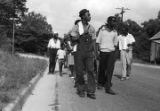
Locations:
column 71, row 68
column 52, row 59
column 75, row 67
column 61, row 63
column 106, row 67
column 85, row 61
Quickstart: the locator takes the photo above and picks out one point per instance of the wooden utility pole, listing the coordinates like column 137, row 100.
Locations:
column 13, row 29
column 122, row 12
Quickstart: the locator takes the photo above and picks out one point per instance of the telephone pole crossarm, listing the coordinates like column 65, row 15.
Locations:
column 122, row 11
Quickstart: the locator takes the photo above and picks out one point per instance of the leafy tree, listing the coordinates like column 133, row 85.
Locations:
column 158, row 15
column 142, row 34
column 34, row 33
column 10, row 9
column 37, row 23
column 151, row 27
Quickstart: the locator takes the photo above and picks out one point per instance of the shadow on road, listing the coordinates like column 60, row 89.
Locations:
column 117, row 76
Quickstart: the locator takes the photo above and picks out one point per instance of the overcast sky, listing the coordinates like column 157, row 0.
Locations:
column 61, row 14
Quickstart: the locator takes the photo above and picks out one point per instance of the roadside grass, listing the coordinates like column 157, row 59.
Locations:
column 15, row 74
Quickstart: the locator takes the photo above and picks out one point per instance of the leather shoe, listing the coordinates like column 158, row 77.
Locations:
column 110, row 91
column 81, row 94
column 123, row 78
column 92, row 96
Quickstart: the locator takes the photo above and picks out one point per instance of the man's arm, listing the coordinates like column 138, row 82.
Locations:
column 97, row 51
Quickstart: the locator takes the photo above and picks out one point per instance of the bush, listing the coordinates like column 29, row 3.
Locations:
column 16, row 72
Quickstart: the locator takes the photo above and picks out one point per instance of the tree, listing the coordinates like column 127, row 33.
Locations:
column 36, row 23
column 151, row 27
column 158, row 15
column 10, row 9
column 33, row 34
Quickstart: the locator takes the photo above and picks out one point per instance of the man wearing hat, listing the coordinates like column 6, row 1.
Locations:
column 53, row 46
column 107, row 41
column 85, row 35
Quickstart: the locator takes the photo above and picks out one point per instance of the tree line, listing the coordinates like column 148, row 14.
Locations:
column 32, row 31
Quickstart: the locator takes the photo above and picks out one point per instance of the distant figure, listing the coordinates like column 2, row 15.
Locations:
column 71, row 55
column 71, row 61
column 107, row 42
column 84, row 34
column 126, row 41
column 61, row 54
column 53, row 46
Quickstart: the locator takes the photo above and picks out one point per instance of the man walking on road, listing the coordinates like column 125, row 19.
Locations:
column 53, row 46
column 85, row 34
column 126, row 41
column 107, row 42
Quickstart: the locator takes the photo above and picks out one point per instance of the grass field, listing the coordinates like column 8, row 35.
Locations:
column 15, row 74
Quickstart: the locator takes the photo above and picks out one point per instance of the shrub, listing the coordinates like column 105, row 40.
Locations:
column 15, row 73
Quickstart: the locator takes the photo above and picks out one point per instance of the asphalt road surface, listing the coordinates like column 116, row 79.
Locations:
column 140, row 93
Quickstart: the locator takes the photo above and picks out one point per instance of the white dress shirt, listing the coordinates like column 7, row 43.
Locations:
column 124, row 41
column 54, row 43
column 107, row 40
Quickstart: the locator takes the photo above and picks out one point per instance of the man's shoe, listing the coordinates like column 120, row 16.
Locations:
column 81, row 94
column 127, row 77
column 92, row 96
column 123, row 78
column 50, row 72
column 110, row 91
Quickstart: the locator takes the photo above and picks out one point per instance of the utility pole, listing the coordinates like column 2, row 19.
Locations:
column 13, row 35
column 13, row 29
column 122, row 12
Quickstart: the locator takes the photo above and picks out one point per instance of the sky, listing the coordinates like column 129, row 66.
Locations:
column 61, row 14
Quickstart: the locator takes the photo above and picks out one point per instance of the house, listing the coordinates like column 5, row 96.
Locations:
column 155, row 48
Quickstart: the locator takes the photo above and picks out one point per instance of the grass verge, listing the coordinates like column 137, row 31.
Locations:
column 15, row 74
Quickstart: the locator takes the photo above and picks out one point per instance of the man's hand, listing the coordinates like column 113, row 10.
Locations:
column 98, row 55
column 127, row 50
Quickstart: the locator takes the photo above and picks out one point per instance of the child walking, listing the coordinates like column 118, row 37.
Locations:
column 61, row 54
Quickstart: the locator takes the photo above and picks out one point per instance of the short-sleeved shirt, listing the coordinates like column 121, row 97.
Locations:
column 61, row 54
column 107, row 40
column 54, row 43
column 124, row 41
column 130, row 38
column 91, row 30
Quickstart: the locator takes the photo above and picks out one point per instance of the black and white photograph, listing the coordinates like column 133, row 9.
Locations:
column 79, row 55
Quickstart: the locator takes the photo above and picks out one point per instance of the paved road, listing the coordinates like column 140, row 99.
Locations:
column 140, row 93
